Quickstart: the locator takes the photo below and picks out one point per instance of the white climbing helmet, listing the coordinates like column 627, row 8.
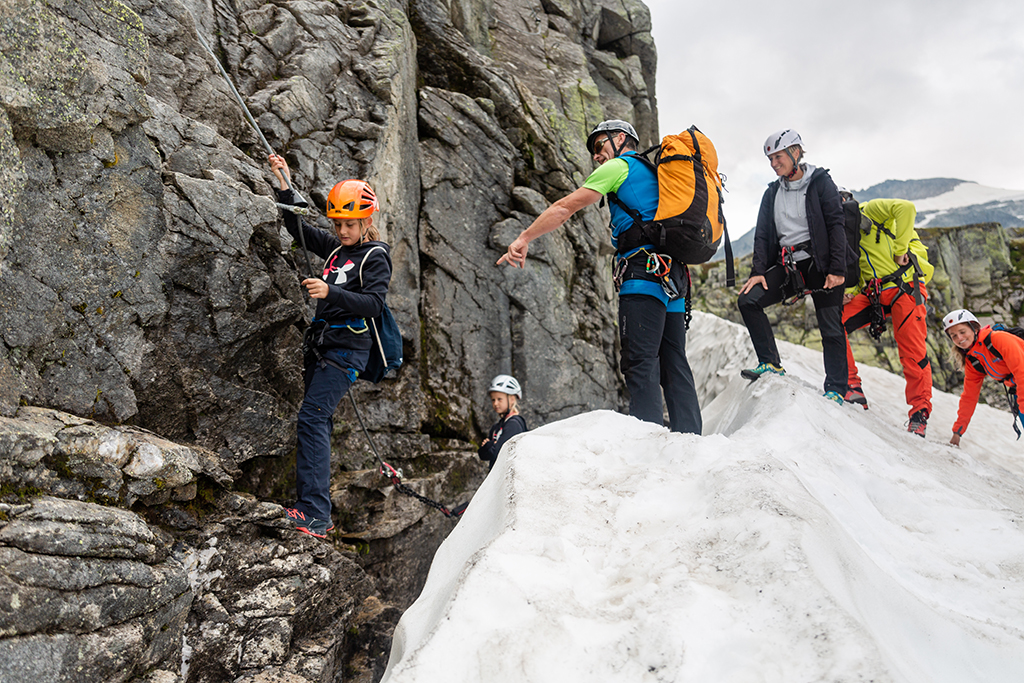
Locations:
column 780, row 140
column 960, row 315
column 506, row 384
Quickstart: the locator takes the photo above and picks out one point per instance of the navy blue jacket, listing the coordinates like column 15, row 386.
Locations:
column 503, row 430
column 824, row 218
column 348, row 303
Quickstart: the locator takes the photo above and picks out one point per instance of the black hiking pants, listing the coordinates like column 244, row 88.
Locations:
column 828, row 307
column 654, row 361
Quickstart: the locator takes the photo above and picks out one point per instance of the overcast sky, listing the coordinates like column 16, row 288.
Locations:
column 901, row 89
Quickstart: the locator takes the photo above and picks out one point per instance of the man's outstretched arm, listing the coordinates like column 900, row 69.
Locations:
column 551, row 219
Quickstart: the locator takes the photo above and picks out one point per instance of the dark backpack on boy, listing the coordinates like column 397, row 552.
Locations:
column 386, row 354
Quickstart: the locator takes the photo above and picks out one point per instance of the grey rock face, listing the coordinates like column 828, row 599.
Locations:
column 63, row 455
column 151, row 316
column 91, row 594
column 266, row 597
column 145, row 274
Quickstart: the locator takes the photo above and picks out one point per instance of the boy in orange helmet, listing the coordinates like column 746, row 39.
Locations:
column 336, row 346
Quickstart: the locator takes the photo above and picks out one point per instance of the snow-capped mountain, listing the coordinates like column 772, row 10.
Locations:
column 948, row 202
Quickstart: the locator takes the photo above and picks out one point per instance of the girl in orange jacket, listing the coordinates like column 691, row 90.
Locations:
column 981, row 351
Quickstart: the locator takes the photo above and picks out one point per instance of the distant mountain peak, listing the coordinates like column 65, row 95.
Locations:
column 908, row 189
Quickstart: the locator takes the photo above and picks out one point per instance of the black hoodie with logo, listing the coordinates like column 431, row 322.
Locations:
column 341, row 318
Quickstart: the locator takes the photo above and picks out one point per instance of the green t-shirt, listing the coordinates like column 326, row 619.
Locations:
column 608, row 177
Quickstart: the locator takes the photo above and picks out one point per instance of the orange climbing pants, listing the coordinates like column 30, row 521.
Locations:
column 910, row 330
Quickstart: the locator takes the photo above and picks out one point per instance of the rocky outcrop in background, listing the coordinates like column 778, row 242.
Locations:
column 978, row 267
column 151, row 316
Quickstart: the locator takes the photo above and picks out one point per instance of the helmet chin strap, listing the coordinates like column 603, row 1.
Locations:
column 511, row 406
column 796, row 166
column 611, row 141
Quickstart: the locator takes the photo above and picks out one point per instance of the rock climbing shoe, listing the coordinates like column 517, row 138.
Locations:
column 918, row 423
column 834, row 396
column 856, row 395
column 762, row 369
column 309, row 525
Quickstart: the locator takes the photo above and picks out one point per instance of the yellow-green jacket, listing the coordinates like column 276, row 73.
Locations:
column 891, row 234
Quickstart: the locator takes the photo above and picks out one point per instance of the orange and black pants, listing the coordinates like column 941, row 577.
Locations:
column 910, row 330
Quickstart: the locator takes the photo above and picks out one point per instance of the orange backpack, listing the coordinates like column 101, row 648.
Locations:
column 689, row 224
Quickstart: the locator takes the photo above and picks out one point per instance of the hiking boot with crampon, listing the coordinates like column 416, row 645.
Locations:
column 309, row 525
column 918, row 423
column 834, row 396
column 856, row 395
column 761, row 369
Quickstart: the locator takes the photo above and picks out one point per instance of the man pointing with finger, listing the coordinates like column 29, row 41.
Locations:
column 652, row 289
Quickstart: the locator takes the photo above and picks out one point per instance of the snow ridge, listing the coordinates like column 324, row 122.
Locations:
column 798, row 540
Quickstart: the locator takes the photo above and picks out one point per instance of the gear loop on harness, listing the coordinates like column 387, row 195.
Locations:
column 795, row 281
column 873, row 290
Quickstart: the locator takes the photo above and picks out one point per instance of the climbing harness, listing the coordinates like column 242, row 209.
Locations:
column 660, row 266
column 266, row 145
column 873, row 290
column 795, row 282
column 396, row 475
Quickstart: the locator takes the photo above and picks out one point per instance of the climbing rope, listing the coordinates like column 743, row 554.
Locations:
column 266, row 145
column 396, row 477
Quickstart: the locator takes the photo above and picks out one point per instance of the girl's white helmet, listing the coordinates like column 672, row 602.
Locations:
column 960, row 315
column 783, row 139
column 506, row 384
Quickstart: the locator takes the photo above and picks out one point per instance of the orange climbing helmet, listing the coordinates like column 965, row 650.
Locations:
column 351, row 199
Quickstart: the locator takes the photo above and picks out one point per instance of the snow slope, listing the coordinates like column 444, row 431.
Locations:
column 797, row 540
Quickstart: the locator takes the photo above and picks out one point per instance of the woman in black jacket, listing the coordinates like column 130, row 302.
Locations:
column 336, row 347
column 505, row 393
column 799, row 248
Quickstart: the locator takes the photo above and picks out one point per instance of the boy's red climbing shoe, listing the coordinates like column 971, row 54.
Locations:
column 918, row 423
column 856, row 395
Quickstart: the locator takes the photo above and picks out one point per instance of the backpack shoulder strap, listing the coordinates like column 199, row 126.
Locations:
column 372, row 321
column 633, row 213
column 991, row 347
column 880, row 227
column 331, row 255
column 362, row 263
